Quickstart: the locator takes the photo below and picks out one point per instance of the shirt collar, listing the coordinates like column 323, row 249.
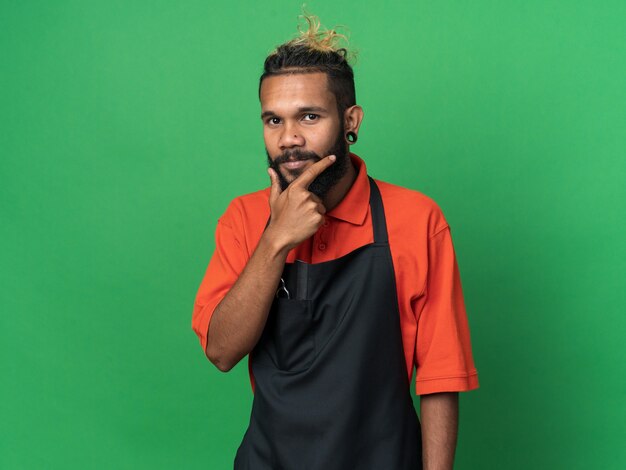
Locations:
column 355, row 204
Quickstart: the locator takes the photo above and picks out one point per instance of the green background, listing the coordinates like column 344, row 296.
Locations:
column 127, row 127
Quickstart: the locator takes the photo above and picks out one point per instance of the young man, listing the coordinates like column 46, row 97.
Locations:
column 337, row 285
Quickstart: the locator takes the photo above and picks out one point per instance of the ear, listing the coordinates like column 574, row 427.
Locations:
column 352, row 118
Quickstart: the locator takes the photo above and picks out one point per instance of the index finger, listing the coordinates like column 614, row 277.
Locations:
column 308, row 175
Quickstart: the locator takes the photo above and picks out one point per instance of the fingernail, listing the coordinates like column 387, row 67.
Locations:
column 332, row 158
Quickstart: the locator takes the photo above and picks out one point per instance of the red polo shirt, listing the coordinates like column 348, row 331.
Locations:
column 435, row 331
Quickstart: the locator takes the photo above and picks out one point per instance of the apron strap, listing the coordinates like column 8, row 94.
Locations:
column 378, row 213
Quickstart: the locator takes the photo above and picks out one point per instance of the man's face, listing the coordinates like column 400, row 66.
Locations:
column 301, row 125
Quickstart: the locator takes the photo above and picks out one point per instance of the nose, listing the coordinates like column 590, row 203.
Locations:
column 290, row 137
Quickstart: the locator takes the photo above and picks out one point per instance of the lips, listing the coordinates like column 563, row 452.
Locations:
column 294, row 165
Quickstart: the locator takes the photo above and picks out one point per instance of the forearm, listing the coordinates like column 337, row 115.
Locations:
column 239, row 319
column 439, row 418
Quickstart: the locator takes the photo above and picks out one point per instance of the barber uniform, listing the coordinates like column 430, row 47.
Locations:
column 331, row 388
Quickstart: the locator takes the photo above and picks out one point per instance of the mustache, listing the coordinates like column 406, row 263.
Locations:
column 296, row 155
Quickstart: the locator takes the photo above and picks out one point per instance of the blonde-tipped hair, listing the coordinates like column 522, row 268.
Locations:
column 328, row 40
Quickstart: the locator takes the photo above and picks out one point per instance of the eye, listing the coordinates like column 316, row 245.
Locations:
column 314, row 117
column 272, row 120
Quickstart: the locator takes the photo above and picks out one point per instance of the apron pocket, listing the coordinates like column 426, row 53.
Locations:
column 289, row 336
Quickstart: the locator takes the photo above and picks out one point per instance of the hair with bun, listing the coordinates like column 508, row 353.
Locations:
column 313, row 51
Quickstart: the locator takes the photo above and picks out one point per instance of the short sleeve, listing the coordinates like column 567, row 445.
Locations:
column 226, row 264
column 443, row 350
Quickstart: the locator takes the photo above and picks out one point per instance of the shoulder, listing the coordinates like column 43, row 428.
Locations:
column 247, row 213
column 411, row 208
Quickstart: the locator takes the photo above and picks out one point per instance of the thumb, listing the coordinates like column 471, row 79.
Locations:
column 275, row 190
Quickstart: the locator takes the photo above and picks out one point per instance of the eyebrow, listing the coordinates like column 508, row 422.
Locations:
column 304, row 109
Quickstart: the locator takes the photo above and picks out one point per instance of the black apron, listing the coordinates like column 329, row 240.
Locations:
column 331, row 387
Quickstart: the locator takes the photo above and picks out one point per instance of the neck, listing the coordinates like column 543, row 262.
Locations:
column 338, row 191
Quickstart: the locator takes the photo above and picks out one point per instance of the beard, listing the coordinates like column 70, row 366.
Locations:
column 327, row 178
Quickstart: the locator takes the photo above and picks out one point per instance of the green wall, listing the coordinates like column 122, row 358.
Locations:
column 127, row 127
